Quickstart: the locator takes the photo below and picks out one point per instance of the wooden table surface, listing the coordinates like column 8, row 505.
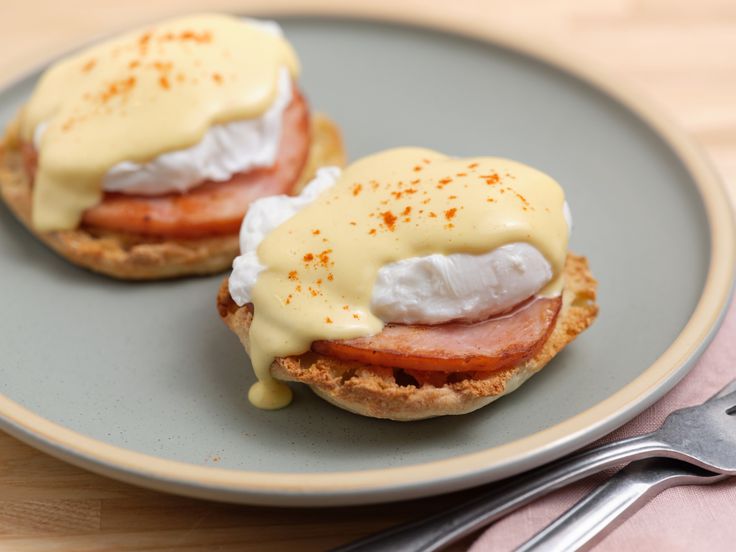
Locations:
column 681, row 53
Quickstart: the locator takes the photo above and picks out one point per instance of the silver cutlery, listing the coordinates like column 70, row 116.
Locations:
column 702, row 435
column 594, row 517
column 590, row 520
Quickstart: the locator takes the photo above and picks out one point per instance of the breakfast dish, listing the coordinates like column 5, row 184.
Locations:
column 152, row 414
column 411, row 285
column 139, row 156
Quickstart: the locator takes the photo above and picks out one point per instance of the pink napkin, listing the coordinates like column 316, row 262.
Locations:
column 679, row 519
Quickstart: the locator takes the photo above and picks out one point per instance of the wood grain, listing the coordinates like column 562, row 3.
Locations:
column 678, row 52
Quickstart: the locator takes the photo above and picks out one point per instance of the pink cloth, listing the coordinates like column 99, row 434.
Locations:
column 679, row 519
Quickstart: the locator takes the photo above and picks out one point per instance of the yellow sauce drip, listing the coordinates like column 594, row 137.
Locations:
column 269, row 394
column 145, row 93
column 409, row 202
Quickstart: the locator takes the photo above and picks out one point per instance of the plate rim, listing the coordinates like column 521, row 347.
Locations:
column 466, row 470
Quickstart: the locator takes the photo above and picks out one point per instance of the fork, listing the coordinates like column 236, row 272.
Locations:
column 702, row 435
column 591, row 519
column 594, row 516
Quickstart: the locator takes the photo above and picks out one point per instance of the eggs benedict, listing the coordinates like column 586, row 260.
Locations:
column 409, row 285
column 139, row 156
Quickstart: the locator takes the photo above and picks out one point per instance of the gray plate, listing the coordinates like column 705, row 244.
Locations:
column 150, row 368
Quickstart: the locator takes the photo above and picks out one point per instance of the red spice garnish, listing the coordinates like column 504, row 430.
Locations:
column 324, row 257
column 328, row 320
column 524, row 202
column 217, row 77
column 416, row 181
column 293, row 275
column 417, row 168
column 389, row 219
column 116, row 88
column 164, row 82
column 461, row 174
column 288, row 299
column 372, row 231
column 163, row 66
column 432, row 214
column 406, row 210
column 472, row 165
column 427, row 161
column 353, row 223
column 491, row 179
column 143, row 41
column 110, row 91
column 357, row 189
column 315, row 232
column 446, row 180
column 452, row 197
column 186, row 35
column 308, row 258
column 450, row 213
column 204, row 36
column 330, row 277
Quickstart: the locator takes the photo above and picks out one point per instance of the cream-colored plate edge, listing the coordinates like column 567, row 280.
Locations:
column 461, row 471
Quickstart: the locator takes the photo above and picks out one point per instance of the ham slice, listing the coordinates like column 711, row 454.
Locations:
column 212, row 208
column 493, row 344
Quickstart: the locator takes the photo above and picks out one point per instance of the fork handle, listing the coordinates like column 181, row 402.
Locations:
column 444, row 528
column 596, row 515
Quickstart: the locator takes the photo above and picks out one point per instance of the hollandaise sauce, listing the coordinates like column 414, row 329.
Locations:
column 145, row 93
column 321, row 264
